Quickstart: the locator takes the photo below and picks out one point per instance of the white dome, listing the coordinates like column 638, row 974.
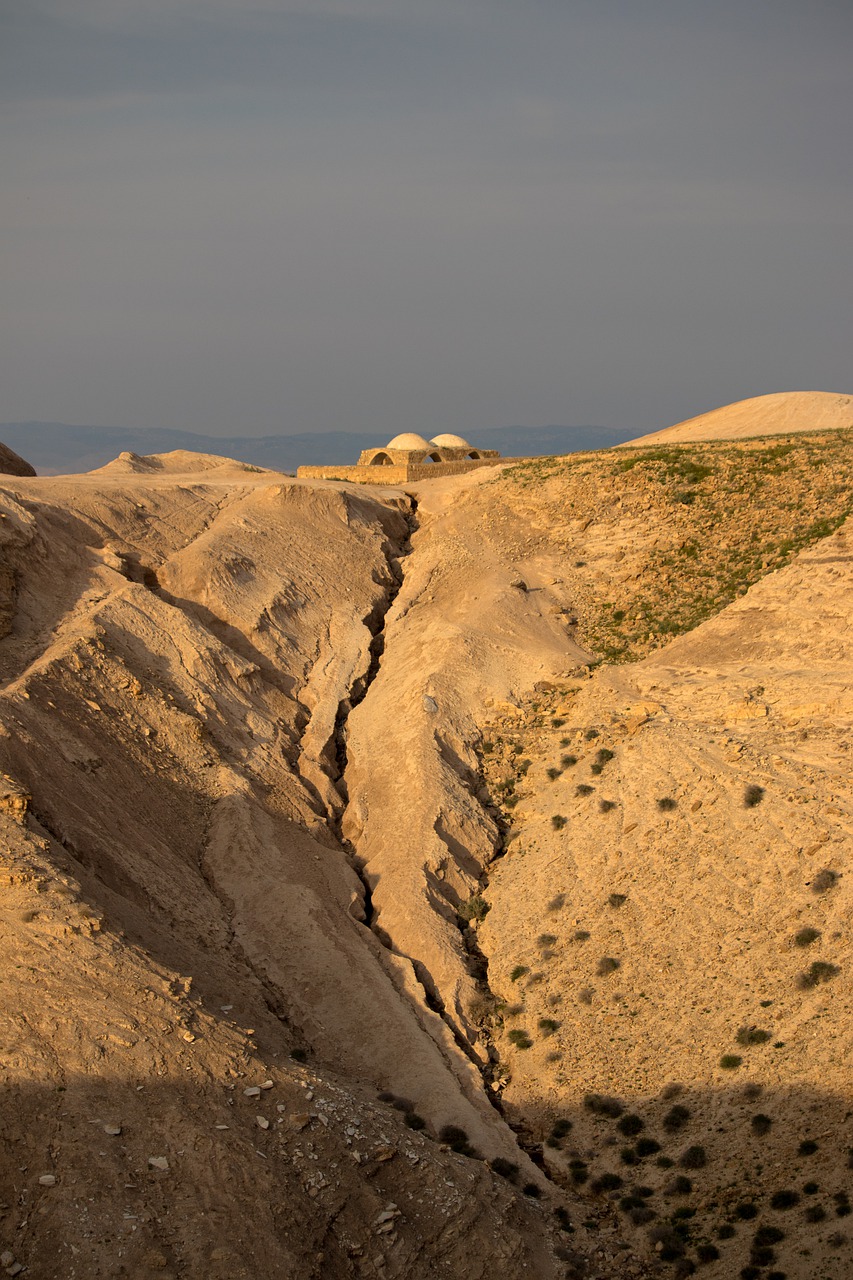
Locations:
column 450, row 442
column 408, row 440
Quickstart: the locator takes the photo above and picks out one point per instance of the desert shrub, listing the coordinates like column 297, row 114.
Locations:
column 666, row 804
column 591, row 734
column 546, row 939
column 553, row 773
column 824, row 880
column 595, row 769
column 676, row 1118
column 784, row 1199
column 557, row 902
column 807, row 1148
column 476, row 908
column 707, row 1253
column 730, row 1061
column 684, row 1213
column 760, row 1124
column 765, row 1235
column 520, row 1039
column 645, row 1192
column 762, row 1257
column 299, row 1055
column 725, row 1231
column 584, row 789
column 679, row 1186
column 504, row 1168
column 842, row 1204
column 647, row 1147
column 557, row 722
column 603, row 754
column 693, row 1158
column 752, row 796
column 752, row 1035
column 578, row 1173
column 402, row 1104
column 815, row 1213
column 453, row 1136
column 671, row 1090
column 664, row 1162
column 558, row 821
column 531, row 1189
column 630, row 1125
column 560, row 1128
column 746, row 1210
column 580, row 935
column 414, row 1121
column 606, row 1182
column 818, row 972
column 607, row 965
column 568, row 760
column 600, row 1104
column 749, row 1272
column 585, row 995
column 606, row 806
column 562, row 1216
column 806, row 937
column 518, row 971
column 641, row 1215
column 810, row 1188
column 616, row 899
column 385, row 1096
column 629, row 1156
column 548, row 1026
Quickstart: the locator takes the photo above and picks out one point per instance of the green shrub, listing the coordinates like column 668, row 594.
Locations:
column 518, row 971
column 730, row 1061
column 818, row 972
column 568, row 761
column 752, row 1035
column 519, row 1038
column 476, row 908
column 806, row 937
column 824, row 880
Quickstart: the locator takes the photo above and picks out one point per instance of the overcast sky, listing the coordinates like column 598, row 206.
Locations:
column 282, row 216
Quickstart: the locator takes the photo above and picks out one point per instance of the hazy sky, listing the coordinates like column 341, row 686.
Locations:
column 274, row 215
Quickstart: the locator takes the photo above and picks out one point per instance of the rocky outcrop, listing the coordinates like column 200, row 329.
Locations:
column 12, row 465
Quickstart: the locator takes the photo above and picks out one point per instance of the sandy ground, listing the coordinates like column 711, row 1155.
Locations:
column 776, row 414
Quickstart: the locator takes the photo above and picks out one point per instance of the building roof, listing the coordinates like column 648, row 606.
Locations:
column 408, row 440
column 450, row 442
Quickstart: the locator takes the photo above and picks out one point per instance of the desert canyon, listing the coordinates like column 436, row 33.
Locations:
column 443, row 880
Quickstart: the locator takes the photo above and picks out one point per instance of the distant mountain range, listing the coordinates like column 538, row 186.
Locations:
column 56, row 448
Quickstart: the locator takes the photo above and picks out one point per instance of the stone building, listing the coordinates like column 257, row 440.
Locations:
column 409, row 457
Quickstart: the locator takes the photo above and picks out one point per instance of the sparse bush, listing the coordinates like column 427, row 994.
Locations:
column 560, row 1128
column 647, row 1147
column 746, row 1210
column 578, row 1172
column 546, row 939
column 762, row 1257
column 707, row 1253
column 606, row 806
column 607, row 965
column 585, row 995
column 806, row 937
column 595, row 769
column 807, row 1148
column 630, row 1125
column 784, row 1199
column 504, row 1168
column 824, row 880
column 532, row 1189
column 557, row 722
column 752, row 796
column 476, row 908
column 815, row 1213
column 810, row 1188
column 603, row 754
column 765, row 1235
column 591, row 734
column 553, row 773
column 676, row 1118
column 818, row 972
column 730, row 1061
column 414, row 1121
column 557, row 902
column 760, row 1124
column 666, row 804
column 616, row 899
column 520, row 1039
column 671, row 1090
column 517, row 972
column 584, row 789
column 725, row 1231
column 752, row 1035
column 299, row 1055
column 402, row 1104
column 606, row 1182
column 664, row 1162
column 568, row 760
column 600, row 1104
column 694, row 1157
column 385, row 1096
column 548, row 1026
column 580, row 935
column 629, row 1156
column 679, row 1186
column 558, row 821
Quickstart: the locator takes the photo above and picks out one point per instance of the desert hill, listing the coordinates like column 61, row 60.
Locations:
column 309, row 792
column 12, row 465
column 781, row 413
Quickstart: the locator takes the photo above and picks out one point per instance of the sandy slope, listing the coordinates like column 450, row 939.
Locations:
column 771, row 415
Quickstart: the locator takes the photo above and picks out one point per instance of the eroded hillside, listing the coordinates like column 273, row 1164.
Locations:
column 406, row 813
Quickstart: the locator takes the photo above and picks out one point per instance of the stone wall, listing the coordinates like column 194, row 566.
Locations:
column 394, row 474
